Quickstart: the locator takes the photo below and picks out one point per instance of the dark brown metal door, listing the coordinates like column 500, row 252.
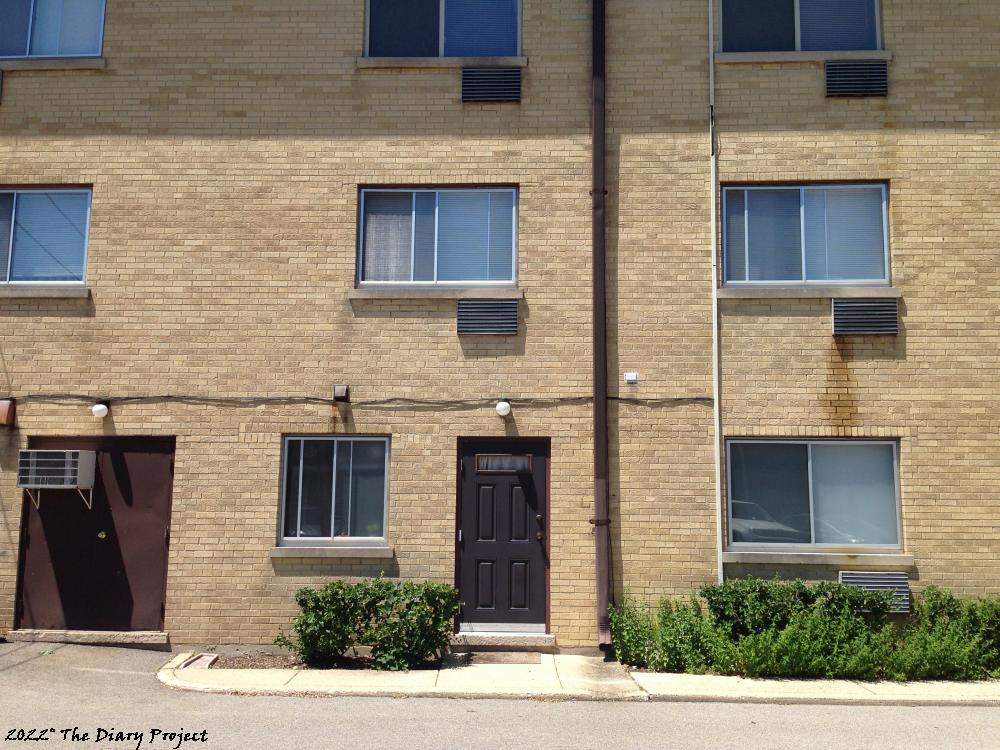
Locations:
column 102, row 568
column 502, row 549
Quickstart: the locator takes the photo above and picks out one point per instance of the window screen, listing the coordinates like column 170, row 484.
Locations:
column 44, row 234
column 404, row 28
column 438, row 235
column 758, row 25
column 480, row 28
column 838, row 25
column 838, row 232
column 825, row 493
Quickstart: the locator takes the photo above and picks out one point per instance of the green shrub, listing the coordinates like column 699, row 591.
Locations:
column 632, row 632
column 404, row 623
column 688, row 641
column 760, row 628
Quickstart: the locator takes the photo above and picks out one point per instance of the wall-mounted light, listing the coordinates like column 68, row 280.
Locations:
column 101, row 408
column 503, row 408
column 342, row 394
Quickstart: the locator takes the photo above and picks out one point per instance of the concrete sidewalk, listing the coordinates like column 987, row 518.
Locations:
column 569, row 677
column 553, row 677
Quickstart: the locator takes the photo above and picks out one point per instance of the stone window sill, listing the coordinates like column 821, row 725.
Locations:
column 440, row 62
column 43, row 291
column 741, row 58
column 332, row 551
column 809, row 292
column 443, row 292
column 866, row 559
column 55, row 63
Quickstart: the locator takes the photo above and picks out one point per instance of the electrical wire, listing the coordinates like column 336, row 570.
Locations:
column 375, row 404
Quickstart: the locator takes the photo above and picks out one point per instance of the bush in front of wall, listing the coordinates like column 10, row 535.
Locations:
column 788, row 629
column 403, row 623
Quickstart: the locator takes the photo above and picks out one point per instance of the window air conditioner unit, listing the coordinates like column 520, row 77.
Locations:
column 57, row 470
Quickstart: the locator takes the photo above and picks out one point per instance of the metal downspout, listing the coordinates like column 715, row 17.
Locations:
column 601, row 519
column 716, row 353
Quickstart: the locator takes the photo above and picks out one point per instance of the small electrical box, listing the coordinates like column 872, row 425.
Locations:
column 631, row 378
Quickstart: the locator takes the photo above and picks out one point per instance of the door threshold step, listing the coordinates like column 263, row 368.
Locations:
column 539, row 642
column 125, row 638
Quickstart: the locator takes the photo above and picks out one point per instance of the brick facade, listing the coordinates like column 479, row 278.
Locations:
column 226, row 147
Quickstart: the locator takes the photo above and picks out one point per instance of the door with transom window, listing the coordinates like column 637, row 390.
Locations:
column 502, row 533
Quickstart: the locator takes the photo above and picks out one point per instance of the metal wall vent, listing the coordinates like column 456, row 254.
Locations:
column 856, row 317
column 857, row 78
column 491, row 84
column 487, row 317
column 898, row 583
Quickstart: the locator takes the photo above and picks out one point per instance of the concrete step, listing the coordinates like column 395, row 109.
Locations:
column 132, row 638
column 536, row 642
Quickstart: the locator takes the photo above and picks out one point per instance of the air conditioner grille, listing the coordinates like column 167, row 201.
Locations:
column 37, row 469
column 491, row 84
column 852, row 317
column 487, row 317
column 857, row 78
column 898, row 583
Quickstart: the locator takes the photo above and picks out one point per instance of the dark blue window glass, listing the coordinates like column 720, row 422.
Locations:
column 758, row 25
column 14, row 15
column 404, row 28
column 480, row 28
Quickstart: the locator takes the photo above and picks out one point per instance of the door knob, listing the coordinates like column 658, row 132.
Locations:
column 102, row 535
column 539, row 536
column 539, row 518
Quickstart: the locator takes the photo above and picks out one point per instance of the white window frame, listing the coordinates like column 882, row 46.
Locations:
column 798, row 32
column 13, row 220
column 812, row 546
column 331, row 541
column 440, row 53
column 31, row 19
column 437, row 200
column 886, row 280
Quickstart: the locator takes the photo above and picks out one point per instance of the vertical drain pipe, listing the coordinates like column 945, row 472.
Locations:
column 601, row 519
column 716, row 344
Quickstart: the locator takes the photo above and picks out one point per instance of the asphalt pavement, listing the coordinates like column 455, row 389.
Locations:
column 113, row 694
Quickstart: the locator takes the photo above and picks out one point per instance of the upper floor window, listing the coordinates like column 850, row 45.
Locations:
column 43, row 235
column 806, row 25
column 438, row 236
column 51, row 28
column 829, row 233
column 334, row 487
column 833, row 493
column 443, row 28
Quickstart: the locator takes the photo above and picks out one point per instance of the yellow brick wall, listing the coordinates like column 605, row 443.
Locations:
column 934, row 387
column 225, row 146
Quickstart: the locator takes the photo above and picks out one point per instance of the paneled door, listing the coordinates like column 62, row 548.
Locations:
column 502, row 530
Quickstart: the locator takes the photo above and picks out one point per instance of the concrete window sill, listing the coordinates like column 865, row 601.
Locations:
column 444, row 292
column 332, row 552
column 866, row 559
column 440, row 62
column 55, row 63
column 809, row 292
column 42, row 291
column 745, row 58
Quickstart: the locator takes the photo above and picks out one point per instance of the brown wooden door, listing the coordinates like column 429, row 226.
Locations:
column 503, row 542
column 104, row 568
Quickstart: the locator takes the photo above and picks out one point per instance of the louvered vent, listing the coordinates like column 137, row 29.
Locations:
column 857, row 78
column 56, row 469
column 857, row 317
column 491, row 84
column 898, row 583
column 487, row 317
